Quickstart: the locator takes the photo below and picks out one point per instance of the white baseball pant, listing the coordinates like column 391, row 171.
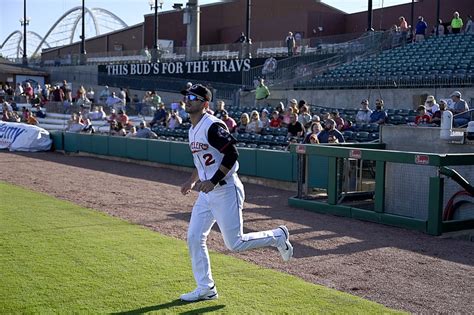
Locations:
column 224, row 206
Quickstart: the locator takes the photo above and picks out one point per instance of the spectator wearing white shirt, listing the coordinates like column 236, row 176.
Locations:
column 363, row 114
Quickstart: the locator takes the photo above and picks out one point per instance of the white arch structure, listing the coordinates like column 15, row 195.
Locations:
column 64, row 31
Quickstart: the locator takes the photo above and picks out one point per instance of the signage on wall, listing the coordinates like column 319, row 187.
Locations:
column 179, row 67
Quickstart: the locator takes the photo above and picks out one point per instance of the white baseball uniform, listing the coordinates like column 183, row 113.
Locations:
column 222, row 205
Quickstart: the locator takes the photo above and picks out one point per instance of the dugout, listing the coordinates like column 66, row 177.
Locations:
column 413, row 180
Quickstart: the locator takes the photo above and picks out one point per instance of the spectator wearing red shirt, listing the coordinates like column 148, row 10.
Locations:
column 275, row 122
column 229, row 121
column 423, row 118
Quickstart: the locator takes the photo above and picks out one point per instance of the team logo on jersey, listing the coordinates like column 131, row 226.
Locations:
column 223, row 133
column 198, row 146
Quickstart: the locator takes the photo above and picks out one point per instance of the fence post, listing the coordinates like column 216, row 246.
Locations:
column 379, row 186
column 435, row 206
column 332, row 181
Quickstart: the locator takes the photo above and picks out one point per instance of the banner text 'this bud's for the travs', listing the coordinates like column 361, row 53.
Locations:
column 180, row 67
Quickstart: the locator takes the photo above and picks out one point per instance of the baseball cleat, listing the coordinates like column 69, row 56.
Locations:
column 200, row 294
column 286, row 249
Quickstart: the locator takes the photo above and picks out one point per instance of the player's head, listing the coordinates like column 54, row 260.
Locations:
column 197, row 98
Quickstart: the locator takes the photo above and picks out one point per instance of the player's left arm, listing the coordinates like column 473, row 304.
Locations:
column 220, row 138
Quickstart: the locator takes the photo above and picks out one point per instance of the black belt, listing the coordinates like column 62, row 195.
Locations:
column 222, row 183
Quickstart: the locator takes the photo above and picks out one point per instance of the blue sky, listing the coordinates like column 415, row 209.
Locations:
column 43, row 13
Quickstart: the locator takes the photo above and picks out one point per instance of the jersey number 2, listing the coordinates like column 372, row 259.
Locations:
column 208, row 159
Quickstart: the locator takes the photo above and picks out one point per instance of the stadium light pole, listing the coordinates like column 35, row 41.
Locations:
column 24, row 22
column 83, row 35
column 155, row 5
column 247, row 30
column 412, row 14
column 438, row 8
column 369, row 17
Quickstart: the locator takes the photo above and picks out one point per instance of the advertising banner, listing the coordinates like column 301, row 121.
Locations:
column 23, row 137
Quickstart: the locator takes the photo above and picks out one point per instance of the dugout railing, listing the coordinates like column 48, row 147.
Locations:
column 421, row 173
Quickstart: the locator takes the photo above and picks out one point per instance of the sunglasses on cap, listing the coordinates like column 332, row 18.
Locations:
column 192, row 97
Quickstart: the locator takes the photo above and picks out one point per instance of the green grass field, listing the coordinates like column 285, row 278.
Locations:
column 58, row 257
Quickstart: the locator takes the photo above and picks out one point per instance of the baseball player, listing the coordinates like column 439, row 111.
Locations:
column 221, row 195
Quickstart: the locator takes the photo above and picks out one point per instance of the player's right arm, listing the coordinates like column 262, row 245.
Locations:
column 189, row 184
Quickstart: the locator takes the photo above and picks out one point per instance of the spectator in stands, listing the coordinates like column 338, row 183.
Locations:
column 32, row 119
column 9, row 92
column 5, row 112
column 37, row 90
column 123, row 118
column 229, row 121
column 287, row 116
column 304, row 116
column 456, row 23
column 159, row 116
column 90, row 94
column 439, row 27
column 313, row 139
column 363, row 114
column 2, row 93
column 145, row 132
column 330, row 133
column 280, row 108
column 338, row 119
column 264, row 118
column 104, row 95
column 220, row 106
column 436, row 119
column 155, row 99
column 302, row 103
column 460, row 108
column 123, row 96
column 469, row 28
column 113, row 116
column 255, row 125
column 379, row 116
column 25, row 114
column 422, row 118
column 174, row 121
column 420, row 29
column 242, row 38
column 134, row 105
column 88, row 128
column 261, row 93
column 113, row 128
column 94, row 114
column 290, row 43
column 181, row 110
column 430, row 105
column 75, row 124
column 57, row 95
column 275, row 122
column 120, row 130
column 40, row 112
column 242, row 125
column 67, row 92
column 403, row 27
column 295, row 128
column 81, row 93
column 132, row 132
column 18, row 91
column 45, row 92
column 146, row 53
column 294, row 104
column 28, row 92
column 114, row 102
column 314, row 130
column 83, row 101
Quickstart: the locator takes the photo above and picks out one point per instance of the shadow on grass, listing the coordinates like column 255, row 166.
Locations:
column 170, row 304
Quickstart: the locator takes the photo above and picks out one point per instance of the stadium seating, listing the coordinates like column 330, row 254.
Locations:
column 442, row 61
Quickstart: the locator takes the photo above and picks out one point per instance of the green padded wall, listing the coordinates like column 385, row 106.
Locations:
column 247, row 161
column 99, row 145
column 137, row 149
column 275, row 164
column 84, row 142
column 58, row 141
column 117, row 146
column 158, row 151
column 180, row 154
column 71, row 142
column 317, row 171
